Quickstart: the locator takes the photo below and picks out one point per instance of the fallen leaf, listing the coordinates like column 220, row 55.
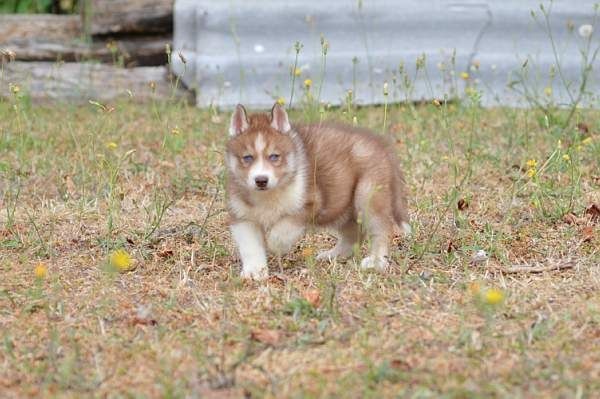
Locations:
column 583, row 128
column 593, row 211
column 400, row 364
column 142, row 321
column 587, row 234
column 313, row 297
column 165, row 253
column 571, row 218
column 277, row 278
column 462, row 204
column 269, row 337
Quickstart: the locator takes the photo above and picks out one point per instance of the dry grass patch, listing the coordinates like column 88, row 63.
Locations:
column 81, row 182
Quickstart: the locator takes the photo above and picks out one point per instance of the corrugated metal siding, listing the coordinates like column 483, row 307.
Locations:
column 242, row 51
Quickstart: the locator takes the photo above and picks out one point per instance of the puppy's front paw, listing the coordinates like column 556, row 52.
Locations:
column 255, row 273
column 379, row 263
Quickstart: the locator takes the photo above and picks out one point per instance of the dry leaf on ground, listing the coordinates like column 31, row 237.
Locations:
column 269, row 337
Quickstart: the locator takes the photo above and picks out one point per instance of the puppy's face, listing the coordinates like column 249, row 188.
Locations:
column 260, row 152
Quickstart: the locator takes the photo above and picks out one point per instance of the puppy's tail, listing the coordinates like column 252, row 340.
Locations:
column 399, row 201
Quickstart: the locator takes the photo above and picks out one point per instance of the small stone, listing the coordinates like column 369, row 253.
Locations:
column 479, row 257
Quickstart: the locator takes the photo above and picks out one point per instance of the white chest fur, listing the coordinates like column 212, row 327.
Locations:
column 266, row 208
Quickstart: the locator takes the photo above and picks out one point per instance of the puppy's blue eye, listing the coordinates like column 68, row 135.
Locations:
column 248, row 158
column 273, row 157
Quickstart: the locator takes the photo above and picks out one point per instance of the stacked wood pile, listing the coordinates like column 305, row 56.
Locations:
column 55, row 56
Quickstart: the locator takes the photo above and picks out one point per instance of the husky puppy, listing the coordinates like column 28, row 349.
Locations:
column 284, row 179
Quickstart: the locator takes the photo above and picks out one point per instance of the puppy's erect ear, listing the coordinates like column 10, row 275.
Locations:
column 279, row 119
column 239, row 121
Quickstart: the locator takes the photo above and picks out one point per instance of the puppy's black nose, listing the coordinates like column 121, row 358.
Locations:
column 261, row 181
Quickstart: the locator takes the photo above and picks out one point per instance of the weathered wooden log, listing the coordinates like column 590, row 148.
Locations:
column 52, row 28
column 60, row 38
column 131, row 16
column 82, row 82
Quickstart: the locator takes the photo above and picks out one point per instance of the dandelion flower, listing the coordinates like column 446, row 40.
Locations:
column 281, row 101
column 297, row 71
column 566, row 157
column 532, row 163
column 40, row 271
column 111, row 145
column 436, row 102
column 15, row 88
column 548, row 91
column 586, row 30
column 493, row 296
column 307, row 83
column 464, row 75
column 175, row 131
column 121, row 260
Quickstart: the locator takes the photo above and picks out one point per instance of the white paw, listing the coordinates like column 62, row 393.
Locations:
column 255, row 273
column 380, row 263
column 334, row 253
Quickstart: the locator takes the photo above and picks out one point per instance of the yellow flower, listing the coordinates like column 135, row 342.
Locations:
column 40, row 271
column 436, row 102
column 121, row 260
column 586, row 141
column 548, row 91
column 464, row 75
column 532, row 163
column 566, row 157
column 493, row 296
column 531, row 172
column 111, row 145
column 281, row 101
column 297, row 72
column 14, row 88
column 307, row 83
column 175, row 131
column 559, row 143
column 307, row 252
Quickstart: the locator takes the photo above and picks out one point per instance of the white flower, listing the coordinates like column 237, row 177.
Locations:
column 259, row 48
column 586, row 30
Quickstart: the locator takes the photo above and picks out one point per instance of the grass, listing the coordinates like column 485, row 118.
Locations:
column 80, row 182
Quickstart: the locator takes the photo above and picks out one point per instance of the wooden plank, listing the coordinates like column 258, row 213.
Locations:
column 134, row 51
column 131, row 16
column 60, row 38
column 81, row 82
column 52, row 28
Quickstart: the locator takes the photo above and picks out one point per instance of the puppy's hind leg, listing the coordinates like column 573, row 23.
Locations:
column 347, row 236
column 373, row 204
